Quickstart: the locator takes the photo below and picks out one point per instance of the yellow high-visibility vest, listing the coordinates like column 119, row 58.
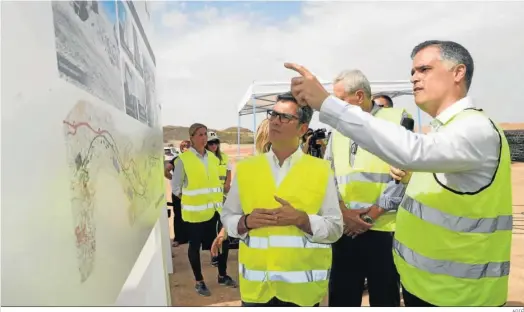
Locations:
column 203, row 194
column 222, row 169
column 280, row 261
column 361, row 185
column 453, row 248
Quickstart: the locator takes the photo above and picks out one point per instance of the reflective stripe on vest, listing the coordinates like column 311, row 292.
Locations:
column 455, row 269
column 453, row 248
column 202, row 196
column 287, row 277
column 454, row 223
column 361, row 184
column 282, row 241
column 280, row 261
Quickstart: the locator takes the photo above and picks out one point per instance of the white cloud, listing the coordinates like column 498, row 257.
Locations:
column 207, row 59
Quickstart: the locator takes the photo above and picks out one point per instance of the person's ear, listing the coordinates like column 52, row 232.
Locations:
column 460, row 72
column 302, row 129
column 360, row 96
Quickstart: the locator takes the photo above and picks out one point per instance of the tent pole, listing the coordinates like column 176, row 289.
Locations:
column 238, row 137
column 419, row 120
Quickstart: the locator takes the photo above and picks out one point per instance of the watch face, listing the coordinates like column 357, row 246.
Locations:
column 367, row 219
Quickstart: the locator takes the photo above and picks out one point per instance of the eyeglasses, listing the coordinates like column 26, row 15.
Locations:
column 282, row 117
column 212, row 143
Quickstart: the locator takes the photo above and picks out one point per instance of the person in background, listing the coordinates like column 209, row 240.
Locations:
column 179, row 225
column 369, row 199
column 383, row 100
column 197, row 183
column 262, row 144
column 213, row 145
column 286, row 218
column 452, row 245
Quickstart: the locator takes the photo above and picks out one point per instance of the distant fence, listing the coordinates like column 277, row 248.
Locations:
column 516, row 144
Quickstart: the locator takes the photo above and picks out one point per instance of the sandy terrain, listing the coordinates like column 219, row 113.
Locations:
column 181, row 282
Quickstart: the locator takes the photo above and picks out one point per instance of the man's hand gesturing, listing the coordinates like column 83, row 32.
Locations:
column 261, row 218
column 306, row 88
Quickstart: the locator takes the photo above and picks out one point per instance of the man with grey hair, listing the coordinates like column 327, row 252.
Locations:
column 283, row 206
column 369, row 198
column 452, row 246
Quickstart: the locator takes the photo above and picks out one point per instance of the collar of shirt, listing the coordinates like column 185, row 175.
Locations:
column 451, row 112
column 197, row 153
column 454, row 109
column 288, row 162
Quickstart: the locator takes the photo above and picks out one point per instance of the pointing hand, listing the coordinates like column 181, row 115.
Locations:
column 306, row 88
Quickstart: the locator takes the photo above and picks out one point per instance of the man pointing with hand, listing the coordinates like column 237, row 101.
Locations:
column 283, row 205
column 453, row 237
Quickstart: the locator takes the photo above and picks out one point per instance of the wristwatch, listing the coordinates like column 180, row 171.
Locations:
column 367, row 218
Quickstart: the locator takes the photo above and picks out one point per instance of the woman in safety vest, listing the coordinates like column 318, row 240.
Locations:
column 196, row 181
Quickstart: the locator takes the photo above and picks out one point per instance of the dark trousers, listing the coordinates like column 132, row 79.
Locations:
column 201, row 235
column 411, row 300
column 274, row 302
column 370, row 256
column 179, row 225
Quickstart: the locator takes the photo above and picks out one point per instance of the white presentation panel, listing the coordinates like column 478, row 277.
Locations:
column 82, row 157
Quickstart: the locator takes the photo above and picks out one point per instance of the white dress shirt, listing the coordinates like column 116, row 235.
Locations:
column 326, row 227
column 464, row 154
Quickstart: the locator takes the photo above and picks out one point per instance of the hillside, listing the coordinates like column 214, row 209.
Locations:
column 228, row 135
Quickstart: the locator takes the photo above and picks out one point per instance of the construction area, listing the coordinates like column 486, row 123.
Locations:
column 182, row 281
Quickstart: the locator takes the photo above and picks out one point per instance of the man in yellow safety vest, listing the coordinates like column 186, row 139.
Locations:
column 367, row 191
column 283, row 205
column 452, row 243
column 196, row 180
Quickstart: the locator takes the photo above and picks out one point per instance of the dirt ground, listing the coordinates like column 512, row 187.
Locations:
column 182, row 281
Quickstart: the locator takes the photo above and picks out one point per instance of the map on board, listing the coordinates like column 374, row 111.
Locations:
column 94, row 145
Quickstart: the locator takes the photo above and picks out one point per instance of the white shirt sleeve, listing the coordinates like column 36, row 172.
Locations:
column 232, row 211
column 229, row 166
column 327, row 226
column 178, row 177
column 463, row 146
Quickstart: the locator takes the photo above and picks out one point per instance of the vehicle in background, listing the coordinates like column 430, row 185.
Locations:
column 170, row 152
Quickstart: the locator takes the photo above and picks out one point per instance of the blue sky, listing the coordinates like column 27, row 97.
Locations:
column 208, row 53
column 110, row 8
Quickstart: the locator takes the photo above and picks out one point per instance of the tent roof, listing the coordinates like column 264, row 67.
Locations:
column 264, row 94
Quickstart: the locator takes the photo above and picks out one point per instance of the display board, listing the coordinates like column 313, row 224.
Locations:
column 82, row 156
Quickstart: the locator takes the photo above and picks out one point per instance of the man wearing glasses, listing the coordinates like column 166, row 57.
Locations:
column 283, row 206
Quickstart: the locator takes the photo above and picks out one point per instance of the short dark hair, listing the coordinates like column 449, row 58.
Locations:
column 385, row 97
column 450, row 51
column 305, row 113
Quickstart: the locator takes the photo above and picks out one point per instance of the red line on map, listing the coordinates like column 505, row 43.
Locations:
column 75, row 126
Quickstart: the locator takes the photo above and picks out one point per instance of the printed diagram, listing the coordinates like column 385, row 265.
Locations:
column 95, row 146
column 87, row 49
column 138, row 67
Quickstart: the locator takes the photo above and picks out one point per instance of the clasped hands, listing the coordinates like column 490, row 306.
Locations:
column 285, row 215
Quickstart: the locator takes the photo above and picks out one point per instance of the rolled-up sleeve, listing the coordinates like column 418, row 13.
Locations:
column 179, row 175
column 232, row 211
column 327, row 225
column 390, row 199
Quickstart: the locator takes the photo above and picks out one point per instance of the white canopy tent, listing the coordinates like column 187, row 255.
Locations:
column 261, row 96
